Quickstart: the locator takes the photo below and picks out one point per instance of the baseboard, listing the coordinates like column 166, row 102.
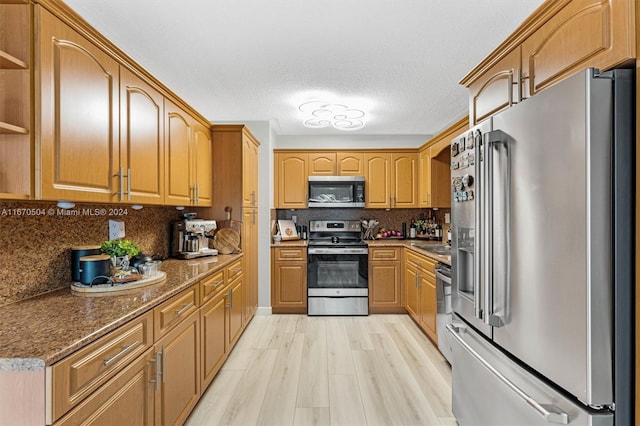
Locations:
column 263, row 310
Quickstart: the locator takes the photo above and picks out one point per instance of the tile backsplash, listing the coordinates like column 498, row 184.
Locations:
column 36, row 240
column 390, row 219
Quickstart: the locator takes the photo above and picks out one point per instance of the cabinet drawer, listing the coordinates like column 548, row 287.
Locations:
column 125, row 399
column 291, row 253
column 79, row 374
column 233, row 271
column 384, row 253
column 174, row 310
column 420, row 262
column 211, row 285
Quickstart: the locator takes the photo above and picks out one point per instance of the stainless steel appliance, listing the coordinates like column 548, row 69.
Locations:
column 543, row 270
column 190, row 238
column 336, row 191
column 444, row 311
column 337, row 269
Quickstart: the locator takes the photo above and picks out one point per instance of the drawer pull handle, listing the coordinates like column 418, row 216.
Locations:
column 184, row 308
column 236, row 270
column 215, row 284
column 120, row 354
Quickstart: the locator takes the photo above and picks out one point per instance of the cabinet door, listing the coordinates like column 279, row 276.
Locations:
column 377, row 172
column 202, row 161
column 384, row 287
column 350, row 163
column 179, row 358
column 78, row 85
column 249, row 172
column 141, row 141
column 584, row 33
column 127, row 399
column 404, row 180
column 412, row 301
column 292, row 185
column 250, row 253
column 424, row 178
column 289, row 287
column 177, row 156
column 214, row 327
column 428, row 304
column 322, row 164
column 236, row 308
column 497, row 89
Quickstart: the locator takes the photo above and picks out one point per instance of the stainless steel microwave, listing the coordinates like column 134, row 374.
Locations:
column 336, row 191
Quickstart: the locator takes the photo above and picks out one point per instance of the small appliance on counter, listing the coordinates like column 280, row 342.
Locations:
column 190, row 237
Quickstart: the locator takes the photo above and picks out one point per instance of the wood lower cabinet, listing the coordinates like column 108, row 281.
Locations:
column 385, row 280
column 289, row 280
column 236, row 309
column 178, row 361
column 420, row 290
column 214, row 323
column 250, row 251
column 127, row 399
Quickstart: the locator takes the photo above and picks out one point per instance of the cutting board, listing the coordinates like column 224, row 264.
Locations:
column 228, row 222
column 227, row 241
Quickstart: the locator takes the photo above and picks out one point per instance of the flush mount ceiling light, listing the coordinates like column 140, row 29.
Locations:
column 320, row 114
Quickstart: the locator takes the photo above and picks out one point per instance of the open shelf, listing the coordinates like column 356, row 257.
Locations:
column 11, row 62
column 10, row 129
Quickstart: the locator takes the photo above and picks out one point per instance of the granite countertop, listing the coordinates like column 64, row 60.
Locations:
column 39, row 331
column 412, row 245
column 294, row 243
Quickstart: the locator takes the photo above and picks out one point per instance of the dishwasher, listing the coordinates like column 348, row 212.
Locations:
column 444, row 312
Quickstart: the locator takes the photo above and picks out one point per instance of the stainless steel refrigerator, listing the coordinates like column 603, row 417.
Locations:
column 542, row 255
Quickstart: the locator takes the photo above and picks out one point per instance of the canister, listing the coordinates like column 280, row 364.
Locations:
column 76, row 253
column 95, row 269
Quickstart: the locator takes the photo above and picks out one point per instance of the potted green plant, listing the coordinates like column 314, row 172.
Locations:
column 120, row 251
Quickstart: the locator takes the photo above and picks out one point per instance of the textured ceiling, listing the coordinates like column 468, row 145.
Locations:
column 256, row 60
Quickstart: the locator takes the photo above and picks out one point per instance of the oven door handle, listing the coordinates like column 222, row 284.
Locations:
column 335, row 250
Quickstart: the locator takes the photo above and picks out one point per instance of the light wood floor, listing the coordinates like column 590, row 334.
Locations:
column 299, row 370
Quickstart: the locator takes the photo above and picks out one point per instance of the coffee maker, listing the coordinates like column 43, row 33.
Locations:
column 190, row 237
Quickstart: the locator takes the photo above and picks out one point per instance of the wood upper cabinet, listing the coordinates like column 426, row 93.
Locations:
column 350, row 163
column 141, row 162
column 322, row 163
column 404, row 180
column 377, row 174
column 15, row 104
column 583, row 34
column 424, row 177
column 391, row 180
column 201, row 160
column 496, row 89
column 291, row 180
column 188, row 158
column 78, row 88
column 250, row 148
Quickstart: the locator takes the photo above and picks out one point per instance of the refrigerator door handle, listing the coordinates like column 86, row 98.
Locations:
column 549, row 412
column 478, row 264
column 496, row 249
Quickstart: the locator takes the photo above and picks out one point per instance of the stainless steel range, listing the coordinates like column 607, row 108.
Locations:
column 337, row 271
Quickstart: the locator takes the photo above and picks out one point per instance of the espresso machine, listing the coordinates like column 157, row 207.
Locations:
column 190, row 237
